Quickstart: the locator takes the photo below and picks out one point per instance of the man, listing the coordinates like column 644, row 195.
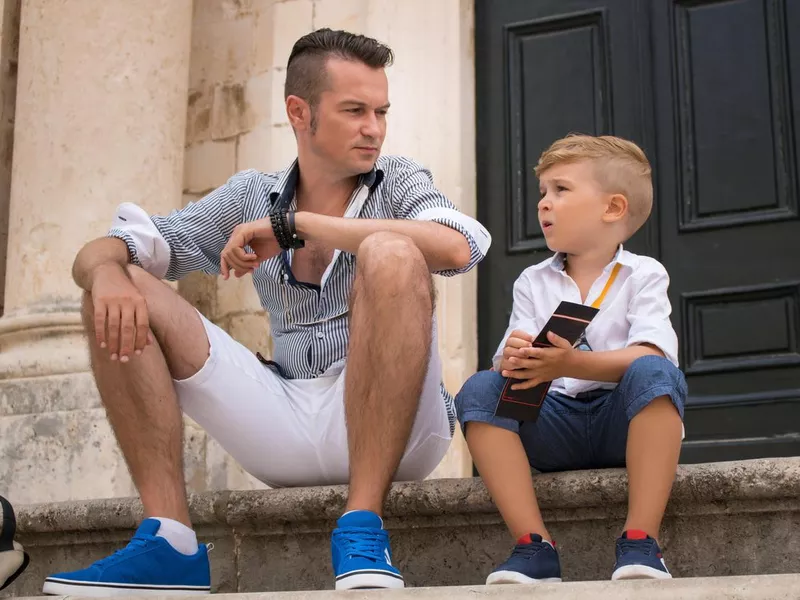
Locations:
column 340, row 246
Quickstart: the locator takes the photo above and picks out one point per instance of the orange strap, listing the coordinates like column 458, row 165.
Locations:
column 609, row 283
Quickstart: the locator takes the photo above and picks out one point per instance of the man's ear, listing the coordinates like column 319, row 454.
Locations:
column 299, row 113
column 616, row 208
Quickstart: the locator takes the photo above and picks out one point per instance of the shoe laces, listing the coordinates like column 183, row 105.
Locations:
column 641, row 546
column 362, row 542
column 527, row 550
column 136, row 542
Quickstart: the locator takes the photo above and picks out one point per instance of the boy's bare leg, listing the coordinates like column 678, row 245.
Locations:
column 503, row 466
column 652, row 453
column 140, row 399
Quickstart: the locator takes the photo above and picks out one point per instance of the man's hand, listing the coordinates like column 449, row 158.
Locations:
column 258, row 235
column 537, row 365
column 120, row 313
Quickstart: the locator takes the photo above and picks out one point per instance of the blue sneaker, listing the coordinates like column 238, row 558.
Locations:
column 639, row 557
column 361, row 554
column 148, row 565
column 533, row 560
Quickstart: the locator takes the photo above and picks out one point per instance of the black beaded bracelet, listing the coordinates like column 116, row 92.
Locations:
column 283, row 226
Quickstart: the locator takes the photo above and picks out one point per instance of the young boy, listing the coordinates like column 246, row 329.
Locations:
column 617, row 398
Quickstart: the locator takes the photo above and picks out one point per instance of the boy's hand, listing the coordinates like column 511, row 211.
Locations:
column 538, row 365
column 515, row 347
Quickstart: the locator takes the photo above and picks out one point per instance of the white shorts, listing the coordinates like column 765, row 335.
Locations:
column 291, row 432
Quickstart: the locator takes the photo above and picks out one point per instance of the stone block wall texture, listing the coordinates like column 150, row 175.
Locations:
column 236, row 120
column 9, row 48
column 194, row 96
column 92, row 128
column 723, row 519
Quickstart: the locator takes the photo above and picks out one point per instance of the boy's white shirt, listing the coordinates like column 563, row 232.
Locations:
column 636, row 309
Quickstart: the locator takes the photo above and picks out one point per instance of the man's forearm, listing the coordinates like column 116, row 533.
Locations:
column 95, row 255
column 443, row 248
column 607, row 366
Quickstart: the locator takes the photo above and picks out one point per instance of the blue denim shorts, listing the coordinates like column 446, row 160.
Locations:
column 587, row 432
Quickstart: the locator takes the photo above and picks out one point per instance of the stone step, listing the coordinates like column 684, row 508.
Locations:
column 734, row 518
column 753, row 587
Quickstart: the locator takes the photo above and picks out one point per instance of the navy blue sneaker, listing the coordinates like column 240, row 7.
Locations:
column 639, row 557
column 361, row 554
column 533, row 560
column 148, row 565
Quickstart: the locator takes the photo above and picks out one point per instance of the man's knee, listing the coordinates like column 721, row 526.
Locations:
column 395, row 261
column 157, row 295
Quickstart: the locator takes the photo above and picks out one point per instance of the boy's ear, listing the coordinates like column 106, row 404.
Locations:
column 616, row 208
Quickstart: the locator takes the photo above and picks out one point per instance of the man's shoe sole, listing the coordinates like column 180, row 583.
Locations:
column 64, row 587
column 511, row 577
column 359, row 580
column 638, row 572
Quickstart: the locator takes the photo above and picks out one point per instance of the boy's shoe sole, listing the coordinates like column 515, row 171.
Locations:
column 66, row 587
column 638, row 572
column 361, row 580
column 504, row 577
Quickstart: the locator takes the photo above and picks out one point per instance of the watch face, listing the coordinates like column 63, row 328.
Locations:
column 583, row 344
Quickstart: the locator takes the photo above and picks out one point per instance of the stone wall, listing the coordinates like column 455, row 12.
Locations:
column 723, row 519
column 237, row 120
column 193, row 95
column 93, row 128
column 9, row 47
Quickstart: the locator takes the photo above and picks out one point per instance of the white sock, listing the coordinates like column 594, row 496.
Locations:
column 179, row 536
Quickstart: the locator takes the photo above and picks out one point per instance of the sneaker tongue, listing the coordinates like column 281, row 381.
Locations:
column 149, row 527
column 530, row 538
column 634, row 534
column 360, row 518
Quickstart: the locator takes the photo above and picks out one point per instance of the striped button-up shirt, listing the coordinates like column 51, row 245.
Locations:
column 309, row 323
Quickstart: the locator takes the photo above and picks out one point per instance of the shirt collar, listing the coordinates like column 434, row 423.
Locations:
column 284, row 189
column 622, row 257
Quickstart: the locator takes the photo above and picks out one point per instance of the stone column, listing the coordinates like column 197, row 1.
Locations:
column 100, row 120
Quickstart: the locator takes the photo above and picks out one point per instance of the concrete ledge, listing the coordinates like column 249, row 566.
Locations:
column 760, row 587
column 737, row 518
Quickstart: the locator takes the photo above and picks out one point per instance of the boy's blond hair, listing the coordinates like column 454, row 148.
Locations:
column 621, row 167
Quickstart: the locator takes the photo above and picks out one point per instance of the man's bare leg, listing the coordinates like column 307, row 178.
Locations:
column 390, row 338
column 139, row 396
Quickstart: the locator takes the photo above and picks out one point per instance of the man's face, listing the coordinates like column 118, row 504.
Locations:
column 350, row 117
column 572, row 207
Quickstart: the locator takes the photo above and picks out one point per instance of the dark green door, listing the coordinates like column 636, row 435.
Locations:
column 711, row 91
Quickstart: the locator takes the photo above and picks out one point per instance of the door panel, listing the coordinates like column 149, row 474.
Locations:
column 545, row 68
column 711, row 91
column 730, row 236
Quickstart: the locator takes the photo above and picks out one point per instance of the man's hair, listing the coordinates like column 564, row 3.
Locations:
column 306, row 73
column 620, row 166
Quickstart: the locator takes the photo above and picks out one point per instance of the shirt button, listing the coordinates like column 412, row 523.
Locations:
column 320, row 335
column 313, row 376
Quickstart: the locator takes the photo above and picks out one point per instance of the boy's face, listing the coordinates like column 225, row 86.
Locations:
column 572, row 208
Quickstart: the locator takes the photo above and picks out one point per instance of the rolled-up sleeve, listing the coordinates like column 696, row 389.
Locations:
column 190, row 239
column 649, row 311
column 522, row 315
column 414, row 196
